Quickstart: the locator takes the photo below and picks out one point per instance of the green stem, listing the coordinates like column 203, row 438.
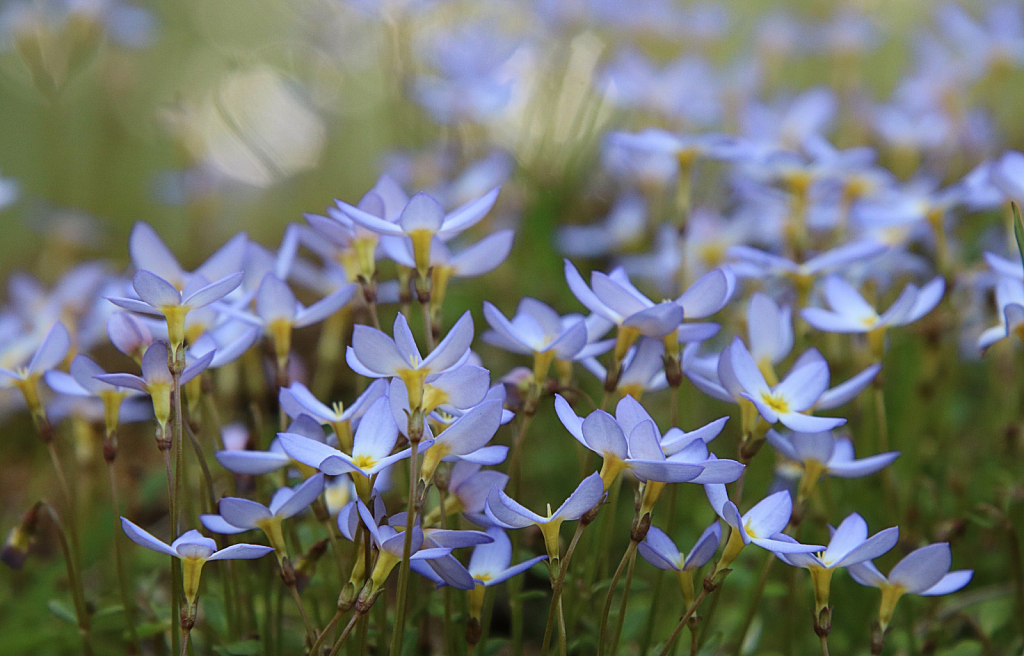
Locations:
column 122, row 582
column 625, row 598
column 77, row 593
column 611, row 593
column 344, row 634
column 176, row 368
column 556, row 591
column 403, row 574
column 318, row 643
column 211, row 498
column 683, row 620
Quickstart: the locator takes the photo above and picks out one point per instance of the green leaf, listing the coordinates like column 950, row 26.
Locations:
column 243, row 648
column 532, row 594
column 1018, row 230
column 62, row 610
column 150, row 629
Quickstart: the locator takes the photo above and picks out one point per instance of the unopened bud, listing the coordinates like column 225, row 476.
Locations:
column 20, row 540
column 673, row 372
column 823, row 622
column 109, row 450
column 714, row 579
column 473, row 631
column 640, row 527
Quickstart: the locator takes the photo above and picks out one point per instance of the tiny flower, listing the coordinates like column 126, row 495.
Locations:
column 468, row 487
column 642, row 370
column 714, row 376
column 158, row 296
column 749, row 262
column 279, row 312
column 81, row 381
column 922, row 572
column 507, row 513
column 761, row 525
column 641, row 453
column 472, row 261
column 194, row 551
column 376, row 355
column 240, row 515
column 374, row 440
column 466, row 435
column 614, row 297
column 488, row 566
column 50, row 353
column 659, row 550
column 536, row 330
column 390, row 544
column 156, row 379
column 850, row 313
column 422, row 219
column 849, row 546
column 787, row 401
column 149, row 252
column 821, row 453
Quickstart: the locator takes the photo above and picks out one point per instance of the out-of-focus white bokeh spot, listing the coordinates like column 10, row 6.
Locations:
column 257, row 128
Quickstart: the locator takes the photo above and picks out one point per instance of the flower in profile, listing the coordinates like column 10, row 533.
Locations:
column 614, row 297
column 390, row 545
column 472, row 261
column 463, row 437
column 923, row 572
column 240, row 515
column 642, row 369
column 468, row 487
column 159, row 297
column 355, row 243
column 537, row 330
column 129, row 335
column 375, row 355
column 507, row 513
column 849, row 546
column 278, row 311
column 761, row 525
column 50, row 353
column 641, row 453
column 194, row 551
column 659, row 550
column 156, row 379
column 850, row 313
column 1010, row 303
column 422, row 219
column 789, row 400
column 297, row 400
column 149, row 252
column 238, row 460
column 749, row 262
column 822, row 453
column 81, row 381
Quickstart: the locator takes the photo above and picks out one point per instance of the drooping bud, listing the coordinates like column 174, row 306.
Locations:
column 20, row 540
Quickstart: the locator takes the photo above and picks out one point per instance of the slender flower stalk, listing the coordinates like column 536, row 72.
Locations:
column 74, row 577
